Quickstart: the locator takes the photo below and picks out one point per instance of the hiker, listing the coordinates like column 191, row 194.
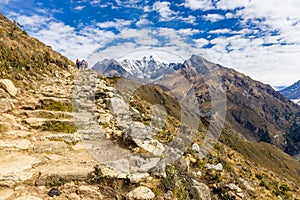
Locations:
column 83, row 64
column 77, row 63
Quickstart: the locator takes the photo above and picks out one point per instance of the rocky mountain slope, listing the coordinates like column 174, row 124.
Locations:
column 254, row 110
column 63, row 134
column 292, row 92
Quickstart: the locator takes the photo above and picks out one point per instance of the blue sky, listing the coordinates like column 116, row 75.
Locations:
column 258, row 38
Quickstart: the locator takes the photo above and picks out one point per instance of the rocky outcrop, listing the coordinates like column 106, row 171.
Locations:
column 9, row 87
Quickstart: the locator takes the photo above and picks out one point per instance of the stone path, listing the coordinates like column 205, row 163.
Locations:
column 56, row 135
column 39, row 145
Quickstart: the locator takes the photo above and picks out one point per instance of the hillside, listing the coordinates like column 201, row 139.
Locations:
column 292, row 92
column 255, row 110
column 66, row 134
column 24, row 58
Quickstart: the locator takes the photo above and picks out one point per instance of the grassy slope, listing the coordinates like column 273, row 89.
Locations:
column 23, row 58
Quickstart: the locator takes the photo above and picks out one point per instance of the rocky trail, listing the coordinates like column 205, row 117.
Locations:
column 40, row 148
column 54, row 138
column 73, row 136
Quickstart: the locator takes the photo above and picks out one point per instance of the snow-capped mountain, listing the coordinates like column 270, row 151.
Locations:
column 148, row 67
column 297, row 101
column 292, row 92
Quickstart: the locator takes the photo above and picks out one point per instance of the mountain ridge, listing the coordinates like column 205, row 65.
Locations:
column 255, row 110
column 292, row 92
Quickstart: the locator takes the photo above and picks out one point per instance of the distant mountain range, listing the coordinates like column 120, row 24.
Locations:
column 255, row 111
column 292, row 92
column 149, row 67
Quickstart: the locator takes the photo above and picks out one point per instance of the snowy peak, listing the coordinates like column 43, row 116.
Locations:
column 148, row 67
column 292, row 92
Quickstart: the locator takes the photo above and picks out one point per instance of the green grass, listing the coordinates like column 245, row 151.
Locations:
column 59, row 127
column 52, row 116
column 58, row 106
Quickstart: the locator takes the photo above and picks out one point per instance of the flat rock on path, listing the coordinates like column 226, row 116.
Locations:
column 9, row 87
column 15, row 167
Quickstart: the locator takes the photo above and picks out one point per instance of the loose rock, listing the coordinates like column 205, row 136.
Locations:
column 140, row 193
column 54, row 192
column 9, row 87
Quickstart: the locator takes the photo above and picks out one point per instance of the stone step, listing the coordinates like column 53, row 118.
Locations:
column 16, row 167
column 48, row 114
column 68, row 167
column 19, row 144
column 58, row 174
column 48, row 100
column 38, row 122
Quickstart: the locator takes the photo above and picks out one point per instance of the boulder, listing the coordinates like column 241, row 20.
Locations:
column 217, row 167
column 154, row 147
column 140, row 193
column 246, row 184
column 15, row 168
column 141, row 165
column 138, row 133
column 6, row 105
column 196, row 148
column 8, row 85
column 234, row 187
column 200, row 191
column 114, row 170
column 118, row 106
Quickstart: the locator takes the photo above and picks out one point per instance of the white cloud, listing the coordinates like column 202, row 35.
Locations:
column 143, row 21
column 221, row 31
column 276, row 64
column 95, row 2
column 163, row 8
column 164, row 39
column 34, row 20
column 147, row 9
column 79, row 7
column 64, row 38
column 117, row 23
column 213, row 17
column 188, row 31
column 231, row 5
column 189, row 19
column 201, row 42
column 198, row 4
